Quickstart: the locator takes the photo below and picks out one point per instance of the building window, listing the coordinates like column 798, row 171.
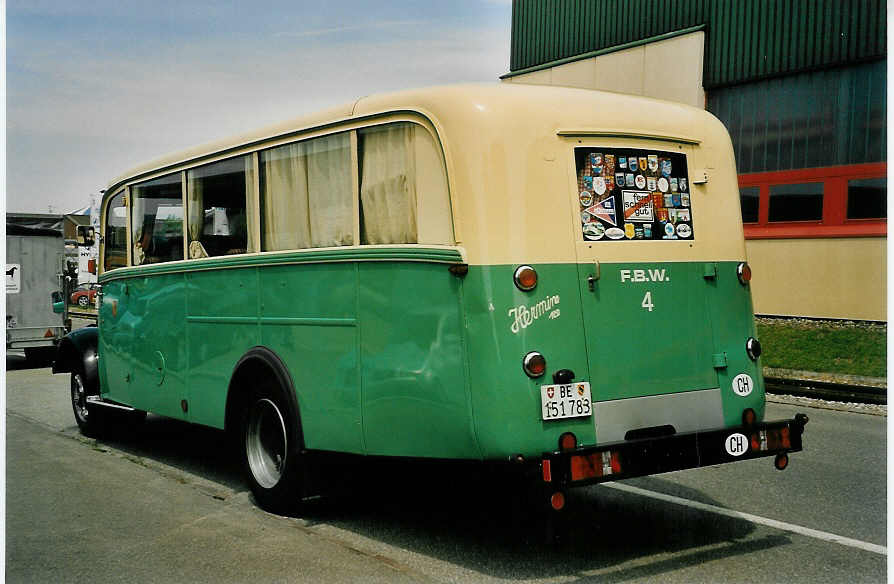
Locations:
column 796, row 202
column 867, row 198
column 815, row 119
column 837, row 201
column 749, row 197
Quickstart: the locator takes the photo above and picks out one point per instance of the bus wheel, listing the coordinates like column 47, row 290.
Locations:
column 271, row 451
column 91, row 420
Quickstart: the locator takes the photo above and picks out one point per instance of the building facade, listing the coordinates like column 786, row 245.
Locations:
column 801, row 87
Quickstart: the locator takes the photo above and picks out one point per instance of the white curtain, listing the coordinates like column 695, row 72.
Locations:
column 329, row 196
column 306, row 194
column 388, row 185
column 195, row 209
column 250, row 203
column 136, row 218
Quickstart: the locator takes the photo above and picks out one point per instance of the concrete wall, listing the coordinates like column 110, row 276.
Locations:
column 828, row 278
column 670, row 69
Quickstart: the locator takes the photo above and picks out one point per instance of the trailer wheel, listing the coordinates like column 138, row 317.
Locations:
column 271, row 450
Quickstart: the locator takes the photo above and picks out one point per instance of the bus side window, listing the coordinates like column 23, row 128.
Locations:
column 216, row 196
column 157, row 221
column 403, row 186
column 115, row 235
column 306, row 194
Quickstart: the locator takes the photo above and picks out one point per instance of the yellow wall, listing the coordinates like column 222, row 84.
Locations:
column 829, row 278
column 669, row 70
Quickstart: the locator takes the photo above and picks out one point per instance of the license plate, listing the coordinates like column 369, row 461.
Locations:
column 570, row 400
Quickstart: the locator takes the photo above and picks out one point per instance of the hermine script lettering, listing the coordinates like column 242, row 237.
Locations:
column 522, row 316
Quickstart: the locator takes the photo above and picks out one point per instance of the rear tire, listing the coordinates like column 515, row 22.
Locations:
column 271, row 450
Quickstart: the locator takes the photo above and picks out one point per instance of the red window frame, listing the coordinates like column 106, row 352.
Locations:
column 834, row 222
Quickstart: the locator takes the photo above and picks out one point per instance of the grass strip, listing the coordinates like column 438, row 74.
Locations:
column 824, row 346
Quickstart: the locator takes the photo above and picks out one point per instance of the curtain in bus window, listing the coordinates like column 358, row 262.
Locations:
column 284, row 194
column 388, row 185
column 329, row 193
column 195, row 216
column 251, row 203
column 306, row 194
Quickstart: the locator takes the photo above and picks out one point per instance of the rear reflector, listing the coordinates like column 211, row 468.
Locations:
column 547, row 472
column 598, row 464
column 557, row 501
column 771, row 439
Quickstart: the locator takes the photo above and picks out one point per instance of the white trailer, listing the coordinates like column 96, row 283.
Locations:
column 35, row 258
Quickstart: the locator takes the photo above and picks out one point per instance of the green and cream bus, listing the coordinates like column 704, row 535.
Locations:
column 549, row 277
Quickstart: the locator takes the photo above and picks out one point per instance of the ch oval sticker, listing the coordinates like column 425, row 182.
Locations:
column 736, row 444
column 742, row 384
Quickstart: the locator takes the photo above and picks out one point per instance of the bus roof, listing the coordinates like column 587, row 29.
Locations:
column 563, row 109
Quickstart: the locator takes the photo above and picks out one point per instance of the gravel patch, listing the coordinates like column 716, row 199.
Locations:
column 857, row 408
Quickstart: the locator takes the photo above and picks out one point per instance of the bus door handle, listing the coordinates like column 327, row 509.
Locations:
column 591, row 279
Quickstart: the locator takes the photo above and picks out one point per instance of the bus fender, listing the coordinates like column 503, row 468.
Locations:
column 257, row 362
column 78, row 351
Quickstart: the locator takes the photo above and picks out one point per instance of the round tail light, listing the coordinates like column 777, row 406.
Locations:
column 525, row 278
column 534, row 364
column 753, row 348
column 743, row 271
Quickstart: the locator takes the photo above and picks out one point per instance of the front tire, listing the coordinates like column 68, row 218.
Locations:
column 271, row 450
column 92, row 421
column 83, row 301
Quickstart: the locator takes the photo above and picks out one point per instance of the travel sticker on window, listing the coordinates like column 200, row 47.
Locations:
column 633, row 194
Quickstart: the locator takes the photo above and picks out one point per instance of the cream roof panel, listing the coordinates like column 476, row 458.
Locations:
column 559, row 108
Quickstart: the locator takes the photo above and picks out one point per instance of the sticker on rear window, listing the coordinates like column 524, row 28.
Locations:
column 649, row 202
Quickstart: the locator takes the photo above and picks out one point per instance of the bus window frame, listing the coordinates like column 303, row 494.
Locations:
column 253, row 148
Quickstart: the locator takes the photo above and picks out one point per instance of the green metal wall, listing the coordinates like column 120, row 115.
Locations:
column 745, row 39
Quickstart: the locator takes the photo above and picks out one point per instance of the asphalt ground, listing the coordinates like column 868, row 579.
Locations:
column 167, row 504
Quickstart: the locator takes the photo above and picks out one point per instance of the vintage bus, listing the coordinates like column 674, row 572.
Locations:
column 545, row 277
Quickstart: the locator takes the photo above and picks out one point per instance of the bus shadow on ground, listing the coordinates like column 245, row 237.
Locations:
column 604, row 534
column 198, row 450
column 475, row 519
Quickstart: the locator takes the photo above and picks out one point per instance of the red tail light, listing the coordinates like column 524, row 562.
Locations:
column 534, row 364
column 743, row 272
column 525, row 278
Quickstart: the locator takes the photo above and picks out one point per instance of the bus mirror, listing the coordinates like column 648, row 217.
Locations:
column 86, row 236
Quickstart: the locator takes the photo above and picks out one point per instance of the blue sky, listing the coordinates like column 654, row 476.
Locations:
column 95, row 88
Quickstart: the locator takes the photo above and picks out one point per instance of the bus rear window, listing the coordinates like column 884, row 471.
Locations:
column 633, row 194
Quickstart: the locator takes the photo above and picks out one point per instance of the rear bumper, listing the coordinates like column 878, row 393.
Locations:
column 633, row 458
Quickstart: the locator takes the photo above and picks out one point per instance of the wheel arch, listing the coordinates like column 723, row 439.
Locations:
column 79, row 351
column 259, row 361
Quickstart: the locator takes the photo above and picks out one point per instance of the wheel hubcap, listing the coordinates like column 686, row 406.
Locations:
column 266, row 443
column 79, row 398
